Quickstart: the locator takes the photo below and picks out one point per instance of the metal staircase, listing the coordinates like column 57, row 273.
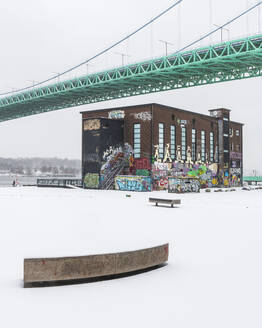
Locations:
column 109, row 180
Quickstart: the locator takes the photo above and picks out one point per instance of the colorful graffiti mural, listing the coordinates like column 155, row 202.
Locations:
column 141, row 166
column 207, row 175
column 114, row 156
column 133, row 183
column 183, row 185
column 116, row 114
column 144, row 173
column 91, row 180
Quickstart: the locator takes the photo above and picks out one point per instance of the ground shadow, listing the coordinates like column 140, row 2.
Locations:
column 90, row 280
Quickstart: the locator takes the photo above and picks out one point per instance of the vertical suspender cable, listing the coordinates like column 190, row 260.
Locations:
column 210, row 20
column 152, row 40
column 259, row 15
column 247, row 17
column 106, row 49
column 179, row 26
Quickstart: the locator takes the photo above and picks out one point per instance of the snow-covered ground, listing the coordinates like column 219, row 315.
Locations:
column 213, row 279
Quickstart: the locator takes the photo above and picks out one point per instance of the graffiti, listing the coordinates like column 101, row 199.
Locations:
column 128, row 149
column 234, row 164
column 167, row 157
column 189, row 157
column 144, row 116
column 91, row 125
column 181, row 121
column 133, row 183
column 116, row 114
column 199, row 160
column 111, row 152
column 156, row 156
column 178, row 154
column 115, row 160
column 235, row 171
column 206, row 174
column 160, row 173
column 111, row 158
column 161, row 166
column 144, row 173
column 235, row 176
column 142, row 164
column 182, row 185
column 234, row 155
column 226, row 179
column 161, row 183
column 91, row 180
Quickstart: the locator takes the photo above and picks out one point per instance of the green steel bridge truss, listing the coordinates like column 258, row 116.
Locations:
column 233, row 60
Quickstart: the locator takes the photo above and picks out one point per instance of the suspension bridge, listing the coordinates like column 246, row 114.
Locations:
column 226, row 61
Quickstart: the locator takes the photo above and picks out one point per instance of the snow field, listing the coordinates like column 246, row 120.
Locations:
column 213, row 278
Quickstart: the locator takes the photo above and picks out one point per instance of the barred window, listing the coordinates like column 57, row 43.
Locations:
column 161, row 139
column 137, row 140
column 183, row 143
column 211, row 147
column 173, row 141
column 203, row 146
column 193, row 144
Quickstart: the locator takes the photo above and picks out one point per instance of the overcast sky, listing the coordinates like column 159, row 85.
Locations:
column 42, row 37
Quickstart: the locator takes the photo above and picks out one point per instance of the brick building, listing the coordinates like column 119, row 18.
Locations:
column 160, row 141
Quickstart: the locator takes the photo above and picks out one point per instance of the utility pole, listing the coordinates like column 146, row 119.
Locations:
column 123, row 55
column 166, row 44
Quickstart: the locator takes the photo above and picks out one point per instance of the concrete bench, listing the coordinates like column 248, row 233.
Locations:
column 41, row 271
column 165, row 201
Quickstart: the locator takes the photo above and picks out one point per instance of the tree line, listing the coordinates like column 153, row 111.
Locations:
column 38, row 165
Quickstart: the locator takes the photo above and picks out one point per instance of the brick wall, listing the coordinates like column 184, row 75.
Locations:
column 150, row 115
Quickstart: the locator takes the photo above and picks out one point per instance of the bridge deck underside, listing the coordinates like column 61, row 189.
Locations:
column 234, row 60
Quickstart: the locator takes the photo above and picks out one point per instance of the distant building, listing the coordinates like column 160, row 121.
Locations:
column 161, row 141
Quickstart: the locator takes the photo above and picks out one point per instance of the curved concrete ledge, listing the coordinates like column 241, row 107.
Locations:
column 44, row 270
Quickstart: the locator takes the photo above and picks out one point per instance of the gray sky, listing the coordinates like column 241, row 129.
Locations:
column 41, row 37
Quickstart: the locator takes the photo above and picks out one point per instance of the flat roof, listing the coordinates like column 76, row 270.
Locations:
column 165, row 106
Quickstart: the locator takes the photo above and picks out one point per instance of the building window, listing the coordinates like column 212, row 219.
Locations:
column 237, row 148
column 211, row 147
column 231, row 132
column 173, row 141
column 137, row 140
column 193, row 145
column 203, row 146
column 183, row 143
column 237, row 133
column 161, row 139
column 232, row 147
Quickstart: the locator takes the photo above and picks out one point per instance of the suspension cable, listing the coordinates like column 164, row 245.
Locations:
column 220, row 27
column 101, row 52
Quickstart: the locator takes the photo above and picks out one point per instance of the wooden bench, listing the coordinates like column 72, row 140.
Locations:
column 165, row 201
